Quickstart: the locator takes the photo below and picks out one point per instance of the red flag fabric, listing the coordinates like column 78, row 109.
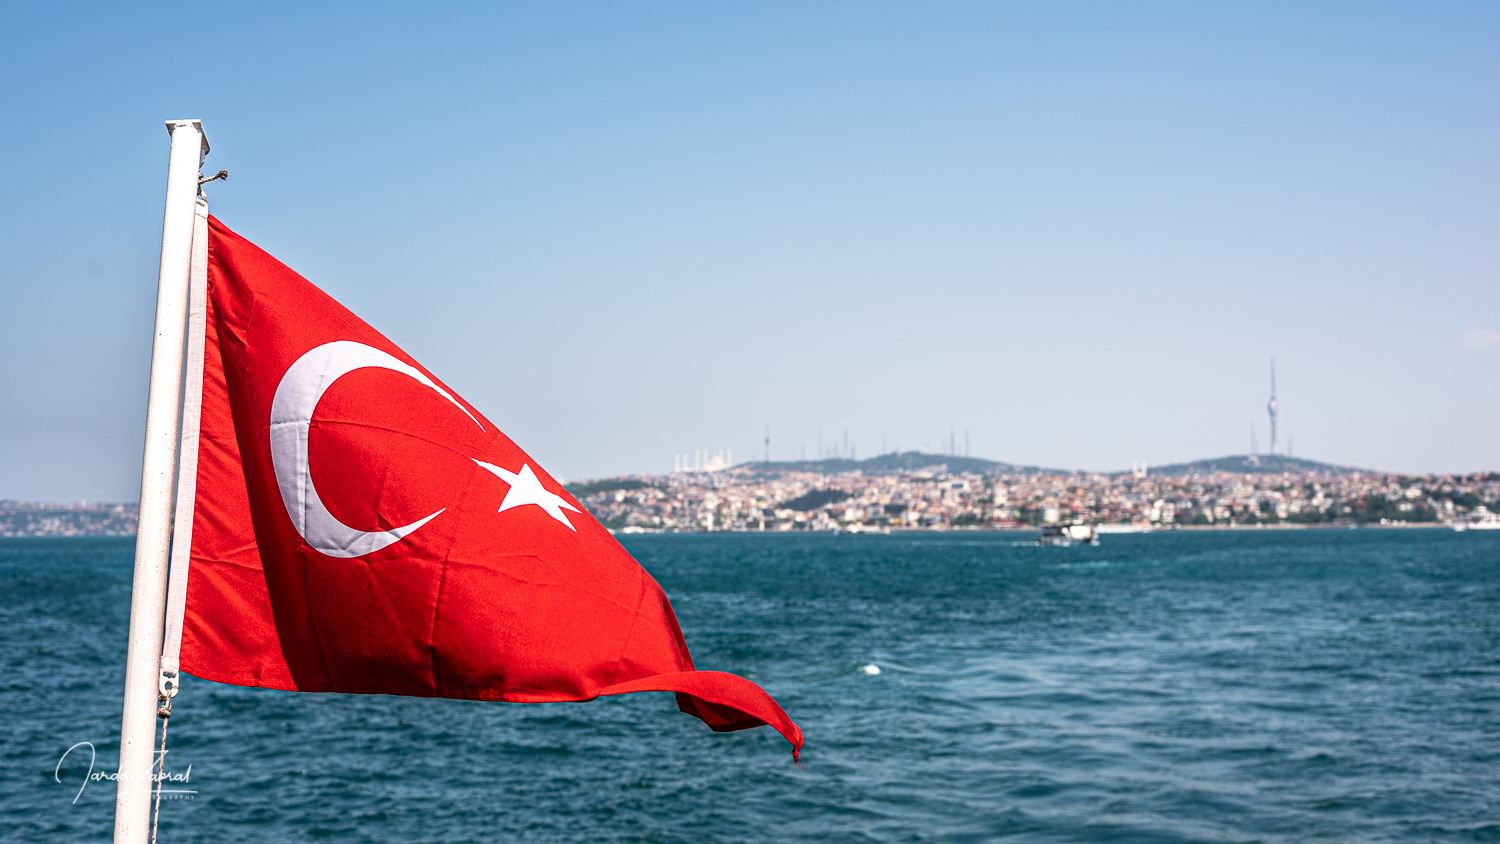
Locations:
column 360, row 528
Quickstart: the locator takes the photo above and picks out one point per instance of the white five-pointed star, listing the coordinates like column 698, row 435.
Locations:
column 526, row 488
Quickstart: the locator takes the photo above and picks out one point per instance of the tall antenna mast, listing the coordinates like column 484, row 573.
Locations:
column 1271, row 406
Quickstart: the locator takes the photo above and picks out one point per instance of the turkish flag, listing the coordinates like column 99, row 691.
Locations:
column 358, row 527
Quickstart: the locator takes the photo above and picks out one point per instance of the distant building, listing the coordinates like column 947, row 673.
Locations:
column 702, row 461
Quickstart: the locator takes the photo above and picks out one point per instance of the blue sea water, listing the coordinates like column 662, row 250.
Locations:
column 1267, row 686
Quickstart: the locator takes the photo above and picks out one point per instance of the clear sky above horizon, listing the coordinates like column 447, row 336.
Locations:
column 1077, row 232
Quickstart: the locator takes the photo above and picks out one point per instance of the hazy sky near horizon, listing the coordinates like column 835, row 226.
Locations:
column 1077, row 231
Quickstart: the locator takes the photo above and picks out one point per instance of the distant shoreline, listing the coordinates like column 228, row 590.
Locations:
column 1037, row 529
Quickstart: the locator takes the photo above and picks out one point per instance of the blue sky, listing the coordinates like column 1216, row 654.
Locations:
column 1076, row 231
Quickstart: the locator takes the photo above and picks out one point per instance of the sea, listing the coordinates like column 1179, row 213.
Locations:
column 1188, row 686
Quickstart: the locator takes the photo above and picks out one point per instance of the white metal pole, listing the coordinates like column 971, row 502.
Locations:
column 148, row 588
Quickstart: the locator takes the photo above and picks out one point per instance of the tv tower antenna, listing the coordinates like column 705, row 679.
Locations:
column 1271, row 405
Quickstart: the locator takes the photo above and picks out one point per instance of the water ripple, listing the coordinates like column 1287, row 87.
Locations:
column 1272, row 687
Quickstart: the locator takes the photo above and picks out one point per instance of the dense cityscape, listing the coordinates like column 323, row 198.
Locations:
column 82, row 518
column 912, row 491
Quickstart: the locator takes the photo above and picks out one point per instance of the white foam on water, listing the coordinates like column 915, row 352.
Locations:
column 872, row 669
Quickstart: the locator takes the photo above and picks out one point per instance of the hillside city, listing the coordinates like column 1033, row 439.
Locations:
column 963, row 493
column 914, row 491
column 82, row 518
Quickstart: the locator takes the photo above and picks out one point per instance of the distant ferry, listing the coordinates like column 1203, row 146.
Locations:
column 1480, row 519
column 1130, row 528
column 1064, row 536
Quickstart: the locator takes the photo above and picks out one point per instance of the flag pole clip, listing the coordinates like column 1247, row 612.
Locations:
column 166, row 686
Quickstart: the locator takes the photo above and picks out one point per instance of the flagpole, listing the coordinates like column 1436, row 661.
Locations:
column 148, row 587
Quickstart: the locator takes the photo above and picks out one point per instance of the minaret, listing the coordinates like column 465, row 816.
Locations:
column 768, row 442
column 1271, row 406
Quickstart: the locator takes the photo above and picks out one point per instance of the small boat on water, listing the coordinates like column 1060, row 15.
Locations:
column 1063, row 536
column 1132, row 528
column 1480, row 519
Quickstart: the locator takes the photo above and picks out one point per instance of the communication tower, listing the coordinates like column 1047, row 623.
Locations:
column 1271, row 406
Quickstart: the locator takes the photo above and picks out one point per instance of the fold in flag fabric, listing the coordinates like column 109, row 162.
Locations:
column 358, row 527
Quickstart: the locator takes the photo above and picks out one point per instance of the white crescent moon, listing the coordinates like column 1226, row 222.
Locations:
column 297, row 396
